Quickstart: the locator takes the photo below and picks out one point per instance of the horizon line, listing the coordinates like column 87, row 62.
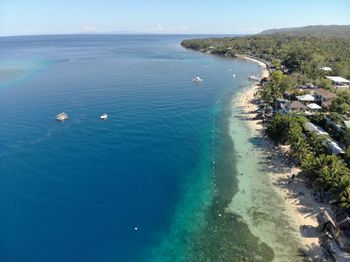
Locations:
column 126, row 33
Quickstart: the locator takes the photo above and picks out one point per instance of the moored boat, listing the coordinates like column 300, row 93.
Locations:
column 104, row 116
column 62, row 116
column 197, row 79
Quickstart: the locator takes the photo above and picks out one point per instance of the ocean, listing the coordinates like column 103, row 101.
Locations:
column 151, row 183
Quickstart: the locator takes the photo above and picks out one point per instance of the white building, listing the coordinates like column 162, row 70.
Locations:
column 339, row 82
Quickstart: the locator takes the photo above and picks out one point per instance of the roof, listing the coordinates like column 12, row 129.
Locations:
column 327, row 104
column 324, row 218
column 314, row 106
column 326, row 68
column 338, row 79
column 295, row 105
column 347, row 123
column 334, row 147
column 324, row 93
column 312, row 128
column 306, row 98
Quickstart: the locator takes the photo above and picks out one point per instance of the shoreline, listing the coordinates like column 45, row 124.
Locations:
column 299, row 203
column 295, row 205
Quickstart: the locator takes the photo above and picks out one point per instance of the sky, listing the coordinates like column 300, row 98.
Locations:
column 27, row 17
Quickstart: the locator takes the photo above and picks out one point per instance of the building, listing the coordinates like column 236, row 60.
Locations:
column 339, row 82
column 295, row 106
column 312, row 128
column 306, row 98
column 333, row 146
column 314, row 107
column 324, row 97
column 326, row 68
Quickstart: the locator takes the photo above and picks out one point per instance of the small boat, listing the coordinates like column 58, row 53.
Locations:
column 197, row 79
column 254, row 78
column 62, row 116
column 104, row 116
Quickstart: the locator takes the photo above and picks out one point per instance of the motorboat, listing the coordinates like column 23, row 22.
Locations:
column 197, row 79
column 62, row 116
column 104, row 116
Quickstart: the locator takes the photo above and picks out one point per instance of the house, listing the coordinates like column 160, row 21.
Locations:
column 333, row 146
column 314, row 107
column 324, row 97
column 339, row 82
column 306, row 98
column 326, row 68
column 312, row 128
column 295, row 106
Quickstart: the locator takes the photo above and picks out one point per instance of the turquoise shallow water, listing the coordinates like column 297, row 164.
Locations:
column 163, row 162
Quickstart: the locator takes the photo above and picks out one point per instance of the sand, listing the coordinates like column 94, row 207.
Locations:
column 300, row 206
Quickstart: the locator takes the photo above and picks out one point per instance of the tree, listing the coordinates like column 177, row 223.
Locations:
column 344, row 192
column 300, row 149
column 317, row 144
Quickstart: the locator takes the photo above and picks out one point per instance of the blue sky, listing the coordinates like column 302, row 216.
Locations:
column 21, row 17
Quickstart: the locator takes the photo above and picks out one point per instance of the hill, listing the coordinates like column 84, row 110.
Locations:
column 313, row 30
column 301, row 51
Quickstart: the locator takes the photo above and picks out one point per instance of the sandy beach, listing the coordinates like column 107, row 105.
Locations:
column 299, row 202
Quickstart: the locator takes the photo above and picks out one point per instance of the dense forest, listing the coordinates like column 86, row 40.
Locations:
column 302, row 55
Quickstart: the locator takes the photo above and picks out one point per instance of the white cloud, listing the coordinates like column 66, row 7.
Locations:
column 168, row 29
column 90, row 29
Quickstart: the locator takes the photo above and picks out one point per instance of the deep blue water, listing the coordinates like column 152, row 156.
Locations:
column 75, row 190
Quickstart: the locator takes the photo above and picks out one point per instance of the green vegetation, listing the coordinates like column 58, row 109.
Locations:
column 329, row 172
column 274, row 89
column 302, row 54
column 341, row 104
column 297, row 55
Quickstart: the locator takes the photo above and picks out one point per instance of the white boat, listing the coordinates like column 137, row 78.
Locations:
column 62, row 116
column 197, row 79
column 104, row 116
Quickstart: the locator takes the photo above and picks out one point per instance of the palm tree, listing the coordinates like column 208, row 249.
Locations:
column 300, row 149
column 309, row 166
column 324, row 179
column 344, row 192
column 316, row 142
